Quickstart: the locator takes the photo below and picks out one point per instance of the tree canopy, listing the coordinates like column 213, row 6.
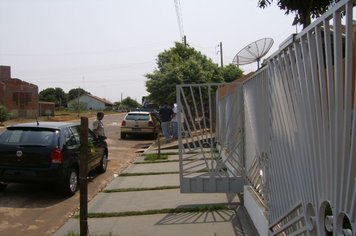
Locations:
column 181, row 64
column 56, row 95
column 304, row 10
column 77, row 92
column 129, row 103
column 231, row 72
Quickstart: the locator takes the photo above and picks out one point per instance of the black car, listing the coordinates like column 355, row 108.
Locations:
column 48, row 152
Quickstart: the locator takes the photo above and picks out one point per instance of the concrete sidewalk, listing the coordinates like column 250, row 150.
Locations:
column 232, row 220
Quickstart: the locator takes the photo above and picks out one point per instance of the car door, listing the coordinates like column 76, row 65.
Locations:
column 71, row 150
column 96, row 149
column 92, row 154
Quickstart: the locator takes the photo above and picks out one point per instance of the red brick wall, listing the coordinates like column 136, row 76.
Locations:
column 19, row 97
column 5, row 72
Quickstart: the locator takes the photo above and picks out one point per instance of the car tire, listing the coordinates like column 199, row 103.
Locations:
column 103, row 164
column 2, row 186
column 123, row 135
column 71, row 182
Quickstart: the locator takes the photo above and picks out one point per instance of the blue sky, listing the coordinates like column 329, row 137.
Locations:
column 107, row 46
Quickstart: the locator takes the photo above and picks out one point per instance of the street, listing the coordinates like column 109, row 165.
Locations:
column 41, row 210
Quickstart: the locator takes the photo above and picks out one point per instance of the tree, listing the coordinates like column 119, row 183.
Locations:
column 179, row 65
column 231, row 72
column 77, row 92
column 56, row 95
column 129, row 103
column 4, row 115
column 304, row 10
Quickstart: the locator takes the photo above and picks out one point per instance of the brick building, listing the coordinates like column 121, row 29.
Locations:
column 19, row 97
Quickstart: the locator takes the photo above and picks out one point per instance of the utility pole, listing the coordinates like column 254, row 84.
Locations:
column 221, row 55
column 185, row 41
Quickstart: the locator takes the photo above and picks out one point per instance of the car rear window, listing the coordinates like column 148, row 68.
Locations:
column 27, row 137
column 136, row 116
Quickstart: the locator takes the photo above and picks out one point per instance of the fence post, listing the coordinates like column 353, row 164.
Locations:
column 83, row 170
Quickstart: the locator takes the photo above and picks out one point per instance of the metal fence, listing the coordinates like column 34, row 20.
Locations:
column 289, row 130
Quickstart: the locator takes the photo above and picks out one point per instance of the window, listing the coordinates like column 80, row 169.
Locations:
column 36, row 137
column 136, row 116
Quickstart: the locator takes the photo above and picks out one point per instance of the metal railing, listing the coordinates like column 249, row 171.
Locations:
column 299, row 126
column 288, row 131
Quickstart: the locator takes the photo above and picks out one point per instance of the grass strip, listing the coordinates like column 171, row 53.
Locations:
column 155, row 157
column 148, row 173
column 162, row 153
column 206, row 208
column 153, row 162
column 139, row 189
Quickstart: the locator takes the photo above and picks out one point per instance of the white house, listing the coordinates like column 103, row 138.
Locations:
column 90, row 102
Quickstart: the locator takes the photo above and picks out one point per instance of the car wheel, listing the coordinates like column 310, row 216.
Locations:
column 71, row 182
column 2, row 186
column 103, row 164
column 123, row 135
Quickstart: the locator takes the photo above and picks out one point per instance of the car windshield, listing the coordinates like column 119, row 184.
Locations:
column 27, row 137
column 137, row 116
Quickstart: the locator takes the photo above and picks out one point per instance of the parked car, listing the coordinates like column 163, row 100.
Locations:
column 140, row 122
column 48, row 152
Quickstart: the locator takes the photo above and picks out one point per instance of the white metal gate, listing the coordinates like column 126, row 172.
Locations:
column 288, row 131
column 299, row 128
column 203, row 168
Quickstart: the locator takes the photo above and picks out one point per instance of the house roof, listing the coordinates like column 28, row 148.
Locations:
column 103, row 100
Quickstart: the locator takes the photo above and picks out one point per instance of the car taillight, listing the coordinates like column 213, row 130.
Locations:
column 150, row 123
column 56, row 156
column 123, row 123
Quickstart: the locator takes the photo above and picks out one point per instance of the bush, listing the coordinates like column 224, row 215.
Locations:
column 4, row 115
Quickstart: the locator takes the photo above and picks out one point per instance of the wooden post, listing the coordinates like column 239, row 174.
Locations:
column 83, row 171
column 159, row 145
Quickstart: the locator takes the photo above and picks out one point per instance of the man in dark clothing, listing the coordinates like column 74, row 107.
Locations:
column 166, row 113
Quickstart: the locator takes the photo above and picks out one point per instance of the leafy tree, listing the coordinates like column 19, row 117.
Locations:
column 231, row 72
column 129, row 103
column 56, row 95
column 77, row 92
column 4, row 115
column 179, row 65
column 303, row 9
column 47, row 95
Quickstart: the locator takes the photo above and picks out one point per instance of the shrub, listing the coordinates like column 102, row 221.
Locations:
column 4, row 115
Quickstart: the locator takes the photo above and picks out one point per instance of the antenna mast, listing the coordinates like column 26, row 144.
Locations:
column 179, row 19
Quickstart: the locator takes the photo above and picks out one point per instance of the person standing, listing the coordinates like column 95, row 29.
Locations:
column 98, row 126
column 166, row 113
column 174, row 122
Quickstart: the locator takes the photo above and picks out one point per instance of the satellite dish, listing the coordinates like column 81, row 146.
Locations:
column 253, row 52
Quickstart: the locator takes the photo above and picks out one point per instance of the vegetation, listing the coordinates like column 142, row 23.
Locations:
column 56, row 95
column 139, row 189
column 231, row 72
column 4, row 115
column 304, row 10
column 155, row 157
column 77, row 92
column 182, row 64
column 128, row 104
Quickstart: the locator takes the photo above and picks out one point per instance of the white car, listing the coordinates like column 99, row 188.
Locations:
column 140, row 122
